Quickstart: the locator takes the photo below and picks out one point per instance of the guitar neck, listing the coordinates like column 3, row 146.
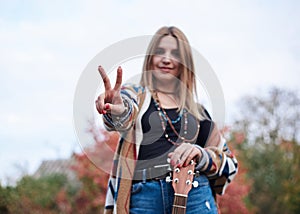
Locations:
column 179, row 204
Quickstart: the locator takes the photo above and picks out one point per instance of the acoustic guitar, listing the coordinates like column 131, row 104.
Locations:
column 182, row 183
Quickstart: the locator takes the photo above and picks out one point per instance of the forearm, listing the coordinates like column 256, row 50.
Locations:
column 219, row 164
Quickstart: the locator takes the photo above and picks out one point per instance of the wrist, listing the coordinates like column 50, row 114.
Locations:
column 202, row 159
column 122, row 112
column 117, row 121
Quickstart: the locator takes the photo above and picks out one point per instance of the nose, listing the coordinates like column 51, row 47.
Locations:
column 166, row 61
column 166, row 58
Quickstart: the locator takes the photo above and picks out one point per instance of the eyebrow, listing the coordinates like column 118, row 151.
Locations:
column 158, row 47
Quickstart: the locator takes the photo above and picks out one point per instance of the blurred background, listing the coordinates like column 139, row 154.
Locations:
column 252, row 46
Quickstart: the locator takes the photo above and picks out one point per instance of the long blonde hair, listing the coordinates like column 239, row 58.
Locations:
column 187, row 88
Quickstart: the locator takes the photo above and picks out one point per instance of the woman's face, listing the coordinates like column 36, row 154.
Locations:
column 165, row 61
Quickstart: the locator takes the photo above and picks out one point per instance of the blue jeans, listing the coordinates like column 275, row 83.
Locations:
column 156, row 197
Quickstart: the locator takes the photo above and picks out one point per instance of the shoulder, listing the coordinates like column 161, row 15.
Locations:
column 134, row 92
column 203, row 113
column 133, row 87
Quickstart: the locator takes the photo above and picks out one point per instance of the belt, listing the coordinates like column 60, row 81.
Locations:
column 153, row 173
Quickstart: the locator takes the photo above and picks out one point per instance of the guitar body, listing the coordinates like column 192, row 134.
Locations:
column 182, row 184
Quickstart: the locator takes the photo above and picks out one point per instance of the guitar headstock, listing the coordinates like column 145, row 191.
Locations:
column 183, row 179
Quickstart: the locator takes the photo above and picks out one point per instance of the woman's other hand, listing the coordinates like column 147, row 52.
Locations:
column 183, row 155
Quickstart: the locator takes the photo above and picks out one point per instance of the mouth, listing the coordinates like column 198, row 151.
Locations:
column 165, row 69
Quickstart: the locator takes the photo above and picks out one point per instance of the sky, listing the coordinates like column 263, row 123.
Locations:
column 45, row 46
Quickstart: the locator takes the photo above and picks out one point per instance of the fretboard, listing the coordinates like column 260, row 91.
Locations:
column 179, row 204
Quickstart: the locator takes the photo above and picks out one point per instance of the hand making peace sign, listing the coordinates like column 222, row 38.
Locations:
column 111, row 100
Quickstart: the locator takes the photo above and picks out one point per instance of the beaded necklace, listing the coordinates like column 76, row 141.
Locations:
column 163, row 113
column 165, row 118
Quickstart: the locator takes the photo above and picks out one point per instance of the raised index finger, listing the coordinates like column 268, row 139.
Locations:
column 119, row 79
column 104, row 78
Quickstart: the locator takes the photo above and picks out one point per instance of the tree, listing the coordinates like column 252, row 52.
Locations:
column 271, row 117
column 55, row 194
column 92, row 168
column 234, row 201
column 32, row 195
column 270, row 149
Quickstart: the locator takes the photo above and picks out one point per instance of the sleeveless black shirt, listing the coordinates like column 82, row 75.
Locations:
column 155, row 147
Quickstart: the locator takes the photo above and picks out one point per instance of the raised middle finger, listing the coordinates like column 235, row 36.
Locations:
column 119, row 79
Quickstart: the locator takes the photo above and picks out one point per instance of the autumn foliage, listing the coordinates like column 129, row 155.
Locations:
column 92, row 168
column 233, row 201
column 265, row 140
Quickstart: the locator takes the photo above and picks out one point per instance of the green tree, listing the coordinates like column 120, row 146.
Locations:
column 32, row 195
column 270, row 150
column 4, row 199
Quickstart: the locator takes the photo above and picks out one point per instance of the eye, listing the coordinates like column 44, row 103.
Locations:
column 176, row 54
column 159, row 51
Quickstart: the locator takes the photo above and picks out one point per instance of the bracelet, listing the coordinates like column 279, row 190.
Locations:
column 118, row 121
column 203, row 160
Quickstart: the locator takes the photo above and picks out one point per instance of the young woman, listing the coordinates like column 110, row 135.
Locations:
column 162, row 127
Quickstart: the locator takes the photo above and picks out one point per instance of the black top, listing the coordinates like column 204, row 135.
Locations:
column 155, row 147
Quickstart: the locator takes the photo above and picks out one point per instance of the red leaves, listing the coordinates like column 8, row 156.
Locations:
column 92, row 168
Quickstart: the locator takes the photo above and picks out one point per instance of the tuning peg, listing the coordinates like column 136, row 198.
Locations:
column 168, row 179
column 195, row 184
column 188, row 182
column 177, row 170
column 190, row 172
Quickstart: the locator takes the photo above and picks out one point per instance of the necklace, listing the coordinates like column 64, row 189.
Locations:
column 163, row 113
column 165, row 118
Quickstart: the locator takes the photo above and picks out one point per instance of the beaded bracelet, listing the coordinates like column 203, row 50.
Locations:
column 203, row 159
column 117, row 121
